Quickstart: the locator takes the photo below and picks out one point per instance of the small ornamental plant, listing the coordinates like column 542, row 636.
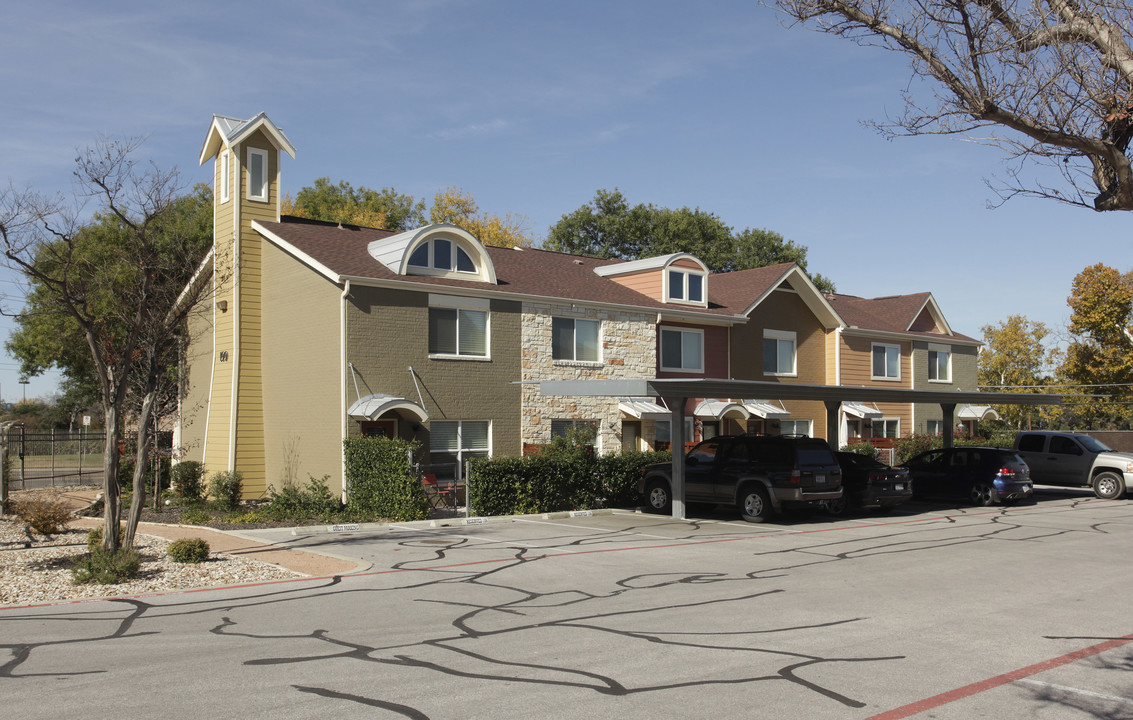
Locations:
column 106, row 568
column 46, row 517
column 226, row 489
column 188, row 550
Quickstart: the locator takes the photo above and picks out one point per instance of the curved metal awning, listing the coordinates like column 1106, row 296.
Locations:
column 719, row 409
column 374, row 406
column 977, row 412
column 766, row 410
column 862, row 411
column 643, row 408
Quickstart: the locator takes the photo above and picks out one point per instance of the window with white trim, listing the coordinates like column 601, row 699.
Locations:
column 257, row 174
column 779, row 357
column 686, row 286
column 451, row 442
column 794, row 427
column 886, row 362
column 574, row 339
column 225, row 176
column 682, row 350
column 442, row 254
column 934, row 427
column 458, row 327
column 939, row 363
column 885, row 428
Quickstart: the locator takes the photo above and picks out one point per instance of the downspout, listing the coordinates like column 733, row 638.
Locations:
column 342, row 383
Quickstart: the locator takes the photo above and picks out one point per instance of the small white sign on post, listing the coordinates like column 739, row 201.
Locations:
column 86, row 420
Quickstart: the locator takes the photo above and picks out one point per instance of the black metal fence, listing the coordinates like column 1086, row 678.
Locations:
column 49, row 458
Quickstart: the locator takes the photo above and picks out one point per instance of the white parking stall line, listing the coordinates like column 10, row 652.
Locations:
column 1077, row 691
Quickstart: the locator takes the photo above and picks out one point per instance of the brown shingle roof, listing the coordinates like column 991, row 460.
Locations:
column 892, row 313
column 539, row 273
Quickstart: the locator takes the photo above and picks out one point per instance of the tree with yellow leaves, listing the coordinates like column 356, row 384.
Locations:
column 1100, row 355
column 457, row 207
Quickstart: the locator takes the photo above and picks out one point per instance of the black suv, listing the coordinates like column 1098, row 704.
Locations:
column 759, row 474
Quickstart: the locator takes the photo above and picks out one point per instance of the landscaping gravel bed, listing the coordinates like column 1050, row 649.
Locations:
column 42, row 573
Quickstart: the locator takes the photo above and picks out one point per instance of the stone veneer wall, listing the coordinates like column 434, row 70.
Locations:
column 629, row 350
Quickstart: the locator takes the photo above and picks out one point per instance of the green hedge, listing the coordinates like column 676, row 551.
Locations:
column 381, row 484
column 554, row 482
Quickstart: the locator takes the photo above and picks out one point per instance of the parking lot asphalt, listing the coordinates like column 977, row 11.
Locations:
column 932, row 611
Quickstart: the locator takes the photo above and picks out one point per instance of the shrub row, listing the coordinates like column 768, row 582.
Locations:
column 553, row 482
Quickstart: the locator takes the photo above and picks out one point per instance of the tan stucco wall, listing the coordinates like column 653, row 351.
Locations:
column 196, row 373
column 302, row 370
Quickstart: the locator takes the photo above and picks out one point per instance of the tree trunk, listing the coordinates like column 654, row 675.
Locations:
column 142, row 457
column 111, row 497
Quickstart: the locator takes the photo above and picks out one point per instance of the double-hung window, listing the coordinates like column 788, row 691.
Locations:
column 779, row 352
column 682, row 350
column 886, row 428
column 685, row 286
column 257, row 174
column 886, row 362
column 574, row 339
column 939, row 363
column 794, row 427
column 458, row 327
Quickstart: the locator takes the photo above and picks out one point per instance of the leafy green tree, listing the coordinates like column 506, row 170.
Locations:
column 125, row 281
column 760, row 248
column 385, row 208
column 609, row 227
column 1014, row 359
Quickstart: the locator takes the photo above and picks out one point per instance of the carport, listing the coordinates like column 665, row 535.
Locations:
column 676, row 392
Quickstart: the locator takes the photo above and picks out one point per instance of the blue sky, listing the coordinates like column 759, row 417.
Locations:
column 533, row 106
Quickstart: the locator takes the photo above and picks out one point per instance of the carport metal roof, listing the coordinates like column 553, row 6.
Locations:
column 676, row 391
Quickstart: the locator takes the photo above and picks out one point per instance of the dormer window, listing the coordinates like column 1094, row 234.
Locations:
column 686, row 286
column 442, row 254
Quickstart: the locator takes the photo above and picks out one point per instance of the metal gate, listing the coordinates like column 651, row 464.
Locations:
column 50, row 458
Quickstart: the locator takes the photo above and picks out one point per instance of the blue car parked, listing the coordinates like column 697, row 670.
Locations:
column 982, row 475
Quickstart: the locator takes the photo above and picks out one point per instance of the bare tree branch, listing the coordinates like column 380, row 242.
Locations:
column 1050, row 80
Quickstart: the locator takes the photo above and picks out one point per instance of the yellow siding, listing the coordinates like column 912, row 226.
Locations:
column 250, row 453
column 219, row 405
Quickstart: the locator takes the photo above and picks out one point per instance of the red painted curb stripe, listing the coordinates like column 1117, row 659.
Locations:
column 1000, row 680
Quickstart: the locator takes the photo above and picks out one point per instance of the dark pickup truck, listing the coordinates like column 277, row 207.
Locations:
column 758, row 474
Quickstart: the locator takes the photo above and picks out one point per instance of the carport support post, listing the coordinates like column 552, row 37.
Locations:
column 677, row 437
column 949, row 411
column 833, row 427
